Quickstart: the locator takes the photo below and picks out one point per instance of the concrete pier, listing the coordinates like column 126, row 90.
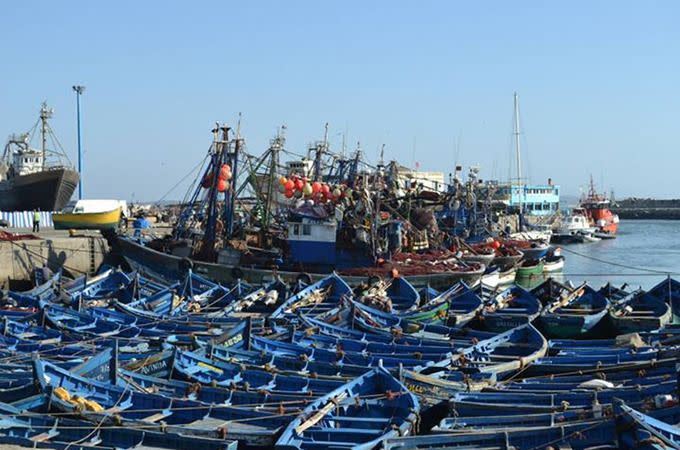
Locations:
column 79, row 254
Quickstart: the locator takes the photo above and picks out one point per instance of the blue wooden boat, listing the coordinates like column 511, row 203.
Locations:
column 614, row 293
column 367, row 346
column 458, row 337
column 668, row 291
column 465, row 404
column 639, row 312
column 637, row 430
column 315, row 299
column 480, row 424
column 563, row 364
column 104, row 403
column 194, row 367
column 455, row 306
column 575, row 314
column 109, row 283
column 70, row 320
column 630, row 379
column 284, row 364
column 152, row 327
column 550, row 290
column 341, row 355
column 46, row 290
column 373, row 320
column 494, row 359
column 395, row 295
column 25, row 429
column 167, row 305
column 511, row 308
column 358, row 415
column 27, row 330
column 577, row 436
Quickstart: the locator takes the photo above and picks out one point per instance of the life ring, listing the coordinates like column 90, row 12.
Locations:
column 304, row 278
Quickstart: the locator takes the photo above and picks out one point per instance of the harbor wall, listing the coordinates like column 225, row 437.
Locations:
column 78, row 255
column 648, row 213
column 647, row 208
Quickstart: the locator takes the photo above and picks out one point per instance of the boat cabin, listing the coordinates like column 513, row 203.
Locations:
column 27, row 161
column 95, row 206
column 576, row 221
column 312, row 241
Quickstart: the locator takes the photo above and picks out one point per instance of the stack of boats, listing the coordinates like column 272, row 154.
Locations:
column 124, row 360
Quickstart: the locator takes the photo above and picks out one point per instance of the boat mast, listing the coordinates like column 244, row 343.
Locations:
column 274, row 149
column 319, row 153
column 45, row 113
column 231, row 195
column 519, row 160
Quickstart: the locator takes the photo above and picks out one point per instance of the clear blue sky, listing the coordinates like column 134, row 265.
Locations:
column 598, row 82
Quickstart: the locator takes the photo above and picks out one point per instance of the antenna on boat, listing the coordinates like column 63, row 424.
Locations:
column 238, row 127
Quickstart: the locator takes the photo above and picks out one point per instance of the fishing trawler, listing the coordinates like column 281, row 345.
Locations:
column 598, row 212
column 298, row 225
column 33, row 178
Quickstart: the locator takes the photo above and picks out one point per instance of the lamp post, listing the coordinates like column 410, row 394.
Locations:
column 79, row 91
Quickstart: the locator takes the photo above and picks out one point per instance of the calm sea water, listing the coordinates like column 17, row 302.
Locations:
column 640, row 244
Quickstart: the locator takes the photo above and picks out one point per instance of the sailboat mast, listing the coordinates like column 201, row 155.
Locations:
column 518, row 154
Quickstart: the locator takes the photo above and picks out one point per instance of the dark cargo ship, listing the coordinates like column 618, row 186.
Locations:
column 33, row 178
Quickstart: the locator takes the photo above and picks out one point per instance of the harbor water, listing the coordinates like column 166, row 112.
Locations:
column 643, row 253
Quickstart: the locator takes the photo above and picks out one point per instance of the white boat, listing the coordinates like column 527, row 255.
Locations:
column 576, row 227
column 533, row 235
column 554, row 264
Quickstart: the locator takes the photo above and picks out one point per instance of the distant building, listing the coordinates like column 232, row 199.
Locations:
column 431, row 181
column 537, row 199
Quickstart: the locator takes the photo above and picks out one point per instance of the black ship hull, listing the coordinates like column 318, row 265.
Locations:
column 49, row 190
column 170, row 267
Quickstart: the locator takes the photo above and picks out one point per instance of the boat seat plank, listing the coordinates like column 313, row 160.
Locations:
column 43, row 437
column 157, row 417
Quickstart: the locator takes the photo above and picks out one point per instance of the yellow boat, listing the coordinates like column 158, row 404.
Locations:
column 88, row 215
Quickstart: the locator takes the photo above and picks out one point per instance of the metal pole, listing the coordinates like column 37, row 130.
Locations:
column 519, row 162
column 79, row 90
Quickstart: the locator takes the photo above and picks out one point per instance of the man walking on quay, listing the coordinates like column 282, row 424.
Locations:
column 36, row 221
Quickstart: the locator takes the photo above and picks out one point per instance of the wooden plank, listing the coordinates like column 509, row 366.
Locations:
column 156, row 417
column 320, row 414
column 42, row 437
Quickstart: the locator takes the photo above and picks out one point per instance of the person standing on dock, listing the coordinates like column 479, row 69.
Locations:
column 36, row 221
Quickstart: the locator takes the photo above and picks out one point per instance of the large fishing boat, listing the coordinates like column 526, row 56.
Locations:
column 241, row 223
column 597, row 209
column 35, row 178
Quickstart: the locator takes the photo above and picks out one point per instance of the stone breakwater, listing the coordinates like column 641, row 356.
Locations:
column 648, row 208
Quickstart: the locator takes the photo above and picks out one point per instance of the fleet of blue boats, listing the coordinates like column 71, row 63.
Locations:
column 124, row 360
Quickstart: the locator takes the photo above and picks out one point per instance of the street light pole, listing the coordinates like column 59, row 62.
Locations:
column 79, row 91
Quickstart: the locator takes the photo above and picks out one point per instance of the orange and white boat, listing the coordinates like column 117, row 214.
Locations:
column 598, row 212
